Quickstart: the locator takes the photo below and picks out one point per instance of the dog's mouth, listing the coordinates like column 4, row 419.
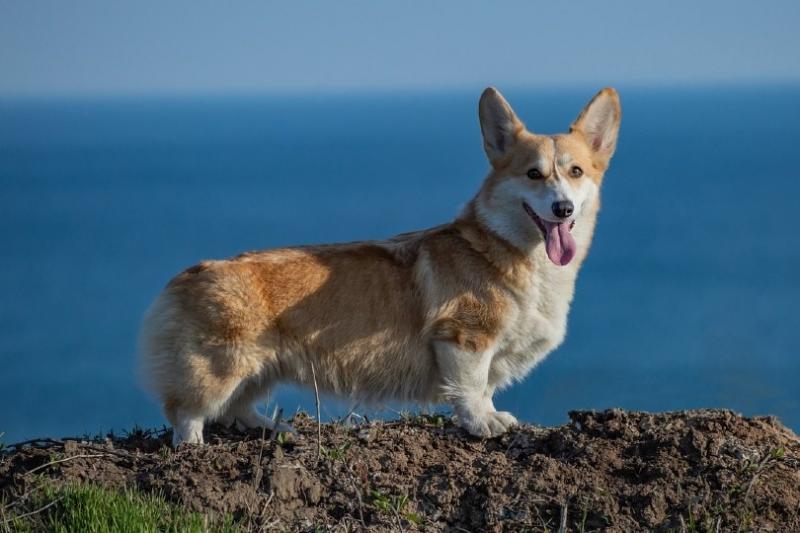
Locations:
column 559, row 243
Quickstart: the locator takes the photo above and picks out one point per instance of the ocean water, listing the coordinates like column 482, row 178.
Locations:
column 689, row 297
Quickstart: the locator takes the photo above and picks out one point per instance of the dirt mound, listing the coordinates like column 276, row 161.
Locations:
column 612, row 470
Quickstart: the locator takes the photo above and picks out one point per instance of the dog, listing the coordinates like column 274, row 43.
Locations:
column 448, row 315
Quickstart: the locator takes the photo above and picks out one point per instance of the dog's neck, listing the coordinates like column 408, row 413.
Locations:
column 504, row 255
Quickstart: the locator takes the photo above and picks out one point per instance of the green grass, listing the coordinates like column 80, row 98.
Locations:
column 395, row 505
column 339, row 452
column 90, row 508
column 424, row 419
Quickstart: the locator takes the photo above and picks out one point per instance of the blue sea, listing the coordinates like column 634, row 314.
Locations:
column 689, row 297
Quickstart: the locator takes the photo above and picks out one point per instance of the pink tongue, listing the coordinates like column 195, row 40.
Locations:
column 559, row 242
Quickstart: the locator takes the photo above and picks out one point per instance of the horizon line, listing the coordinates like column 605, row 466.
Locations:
column 305, row 92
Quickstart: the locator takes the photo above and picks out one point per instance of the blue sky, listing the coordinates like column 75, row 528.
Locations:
column 201, row 46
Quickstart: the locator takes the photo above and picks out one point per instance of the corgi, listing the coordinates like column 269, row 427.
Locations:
column 447, row 315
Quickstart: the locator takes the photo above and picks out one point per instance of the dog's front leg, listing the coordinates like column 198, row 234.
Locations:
column 465, row 376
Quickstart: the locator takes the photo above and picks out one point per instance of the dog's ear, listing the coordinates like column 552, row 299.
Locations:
column 599, row 124
column 499, row 124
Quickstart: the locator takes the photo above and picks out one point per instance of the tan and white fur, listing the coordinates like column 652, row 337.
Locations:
column 445, row 315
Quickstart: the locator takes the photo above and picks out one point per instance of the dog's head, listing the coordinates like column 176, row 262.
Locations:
column 540, row 185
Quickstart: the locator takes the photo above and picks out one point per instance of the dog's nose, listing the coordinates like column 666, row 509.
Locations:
column 563, row 209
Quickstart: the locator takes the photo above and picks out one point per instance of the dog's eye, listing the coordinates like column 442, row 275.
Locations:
column 534, row 174
column 576, row 171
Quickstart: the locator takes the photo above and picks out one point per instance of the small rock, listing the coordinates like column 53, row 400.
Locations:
column 365, row 435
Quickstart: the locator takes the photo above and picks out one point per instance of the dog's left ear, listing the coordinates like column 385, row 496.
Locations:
column 599, row 124
column 499, row 125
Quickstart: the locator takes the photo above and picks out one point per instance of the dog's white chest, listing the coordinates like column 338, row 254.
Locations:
column 537, row 325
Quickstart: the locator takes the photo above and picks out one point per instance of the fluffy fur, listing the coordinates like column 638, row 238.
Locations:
column 445, row 315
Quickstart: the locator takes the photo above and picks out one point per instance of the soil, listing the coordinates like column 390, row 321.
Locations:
column 705, row 470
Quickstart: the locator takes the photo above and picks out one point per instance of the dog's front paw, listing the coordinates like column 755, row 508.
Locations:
column 488, row 424
column 505, row 419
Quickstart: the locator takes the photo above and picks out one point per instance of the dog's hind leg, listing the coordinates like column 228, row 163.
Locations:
column 241, row 409
column 188, row 429
column 201, row 388
column 187, row 424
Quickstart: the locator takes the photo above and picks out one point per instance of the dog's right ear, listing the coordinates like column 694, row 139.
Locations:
column 599, row 125
column 499, row 125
